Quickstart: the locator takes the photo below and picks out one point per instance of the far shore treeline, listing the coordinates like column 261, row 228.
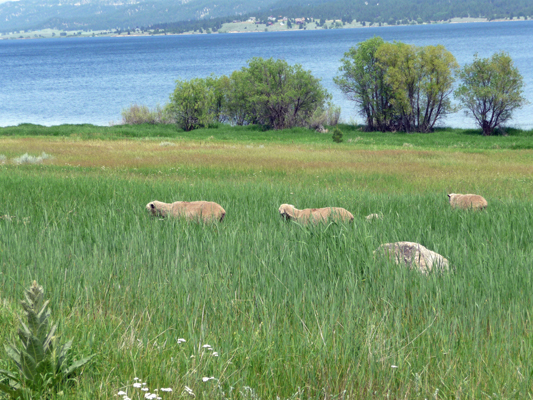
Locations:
column 396, row 87
column 167, row 16
column 379, row 13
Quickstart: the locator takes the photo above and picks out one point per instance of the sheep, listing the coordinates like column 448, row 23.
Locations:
column 288, row 211
column 190, row 210
column 465, row 201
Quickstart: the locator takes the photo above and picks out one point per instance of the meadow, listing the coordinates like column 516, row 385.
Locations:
column 272, row 309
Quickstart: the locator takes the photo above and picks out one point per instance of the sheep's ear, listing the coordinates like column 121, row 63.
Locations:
column 449, row 195
column 152, row 206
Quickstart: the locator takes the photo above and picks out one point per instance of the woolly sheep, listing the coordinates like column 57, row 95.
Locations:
column 466, row 201
column 190, row 210
column 288, row 211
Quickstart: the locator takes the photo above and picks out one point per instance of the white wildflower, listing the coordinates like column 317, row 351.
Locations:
column 189, row 391
column 137, row 385
column 206, row 379
column 215, row 354
column 166, row 389
column 180, row 340
column 121, row 393
column 205, row 346
column 136, row 379
column 145, row 389
column 394, row 366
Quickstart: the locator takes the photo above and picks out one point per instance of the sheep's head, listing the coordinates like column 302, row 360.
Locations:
column 287, row 211
column 155, row 209
column 451, row 196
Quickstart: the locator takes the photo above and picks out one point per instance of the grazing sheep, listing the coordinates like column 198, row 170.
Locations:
column 288, row 211
column 466, row 201
column 190, row 210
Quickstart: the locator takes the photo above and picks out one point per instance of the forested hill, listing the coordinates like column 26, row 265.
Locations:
column 412, row 10
column 184, row 15
column 389, row 12
column 18, row 15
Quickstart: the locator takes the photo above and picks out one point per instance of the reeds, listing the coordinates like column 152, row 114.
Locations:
column 292, row 311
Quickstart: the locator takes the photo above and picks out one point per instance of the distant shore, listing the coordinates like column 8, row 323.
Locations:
column 229, row 28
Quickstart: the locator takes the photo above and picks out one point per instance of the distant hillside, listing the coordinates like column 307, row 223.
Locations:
column 391, row 12
column 412, row 10
column 180, row 15
column 110, row 14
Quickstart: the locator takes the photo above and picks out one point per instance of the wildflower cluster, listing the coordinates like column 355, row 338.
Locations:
column 145, row 391
column 141, row 390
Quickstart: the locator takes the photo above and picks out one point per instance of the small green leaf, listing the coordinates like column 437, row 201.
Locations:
column 9, row 375
column 8, row 390
column 13, row 352
column 77, row 364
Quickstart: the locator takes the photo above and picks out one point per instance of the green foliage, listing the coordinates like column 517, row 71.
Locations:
column 329, row 115
column 281, row 95
column 237, row 108
column 192, row 103
column 219, row 87
column 362, row 80
column 42, row 362
column 267, row 92
column 137, row 114
column 491, row 89
column 337, row 135
column 421, row 83
column 396, row 86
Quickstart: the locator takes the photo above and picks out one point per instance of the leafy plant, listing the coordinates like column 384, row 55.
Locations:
column 41, row 361
column 337, row 135
column 192, row 103
column 491, row 89
column 140, row 114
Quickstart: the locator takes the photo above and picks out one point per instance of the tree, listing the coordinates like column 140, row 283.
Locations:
column 237, row 107
column 191, row 104
column 491, row 90
column 421, row 80
column 282, row 95
column 362, row 80
column 219, row 87
column 398, row 87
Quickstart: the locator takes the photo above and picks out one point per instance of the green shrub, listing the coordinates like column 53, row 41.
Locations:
column 191, row 105
column 137, row 114
column 337, row 135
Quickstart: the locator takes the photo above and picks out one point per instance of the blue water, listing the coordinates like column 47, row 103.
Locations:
column 90, row 80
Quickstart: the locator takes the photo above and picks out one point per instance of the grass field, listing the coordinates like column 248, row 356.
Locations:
column 289, row 311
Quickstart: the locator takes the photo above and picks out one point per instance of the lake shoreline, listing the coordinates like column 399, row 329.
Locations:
column 47, row 33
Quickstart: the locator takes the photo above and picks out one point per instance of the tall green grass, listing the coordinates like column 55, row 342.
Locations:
column 292, row 311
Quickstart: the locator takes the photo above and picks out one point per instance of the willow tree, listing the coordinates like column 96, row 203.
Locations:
column 398, row 86
column 421, row 81
column 491, row 89
column 362, row 80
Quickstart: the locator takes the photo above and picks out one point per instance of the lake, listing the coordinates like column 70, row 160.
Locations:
column 90, row 80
